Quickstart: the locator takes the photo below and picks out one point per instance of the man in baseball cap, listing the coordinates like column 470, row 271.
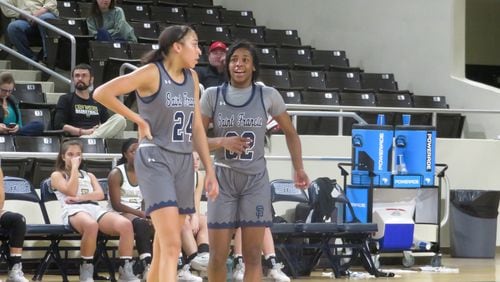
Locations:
column 213, row 74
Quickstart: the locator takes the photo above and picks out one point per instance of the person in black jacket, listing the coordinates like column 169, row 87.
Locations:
column 78, row 114
column 213, row 74
column 10, row 115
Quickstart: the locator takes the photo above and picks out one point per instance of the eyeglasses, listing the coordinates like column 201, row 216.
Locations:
column 7, row 90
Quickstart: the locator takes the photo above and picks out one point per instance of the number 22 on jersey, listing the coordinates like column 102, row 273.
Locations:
column 248, row 154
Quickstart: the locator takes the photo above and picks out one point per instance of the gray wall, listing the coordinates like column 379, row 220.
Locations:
column 482, row 32
column 421, row 42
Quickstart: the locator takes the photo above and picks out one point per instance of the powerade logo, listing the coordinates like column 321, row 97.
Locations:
column 406, row 182
column 428, row 152
column 358, row 205
column 380, row 151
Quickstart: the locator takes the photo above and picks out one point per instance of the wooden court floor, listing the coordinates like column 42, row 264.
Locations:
column 470, row 270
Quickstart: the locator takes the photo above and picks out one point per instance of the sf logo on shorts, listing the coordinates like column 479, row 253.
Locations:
column 259, row 211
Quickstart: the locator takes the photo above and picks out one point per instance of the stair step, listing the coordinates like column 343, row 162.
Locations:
column 53, row 97
column 5, row 64
column 19, row 75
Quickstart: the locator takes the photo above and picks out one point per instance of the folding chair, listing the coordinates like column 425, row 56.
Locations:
column 21, row 196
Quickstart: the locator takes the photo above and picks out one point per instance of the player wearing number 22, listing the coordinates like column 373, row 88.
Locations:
column 169, row 125
column 239, row 110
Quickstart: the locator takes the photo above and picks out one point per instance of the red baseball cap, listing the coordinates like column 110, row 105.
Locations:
column 217, row 45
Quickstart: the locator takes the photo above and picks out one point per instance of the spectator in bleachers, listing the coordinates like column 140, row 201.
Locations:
column 10, row 115
column 78, row 192
column 125, row 197
column 15, row 223
column 78, row 114
column 238, row 110
column 22, row 29
column 274, row 272
column 213, row 74
column 107, row 22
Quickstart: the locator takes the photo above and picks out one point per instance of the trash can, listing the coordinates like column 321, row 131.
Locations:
column 473, row 223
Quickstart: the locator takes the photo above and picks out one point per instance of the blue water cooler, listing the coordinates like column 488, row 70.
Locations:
column 415, row 148
column 372, row 151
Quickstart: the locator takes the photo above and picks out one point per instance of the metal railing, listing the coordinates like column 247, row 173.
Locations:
column 34, row 63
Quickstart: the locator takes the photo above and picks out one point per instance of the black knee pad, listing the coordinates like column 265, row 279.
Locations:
column 16, row 224
column 143, row 231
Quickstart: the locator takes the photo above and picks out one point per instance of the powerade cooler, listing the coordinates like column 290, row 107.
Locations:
column 371, row 151
column 415, row 151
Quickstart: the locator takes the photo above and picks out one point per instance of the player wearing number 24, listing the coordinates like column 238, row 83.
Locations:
column 239, row 110
column 169, row 125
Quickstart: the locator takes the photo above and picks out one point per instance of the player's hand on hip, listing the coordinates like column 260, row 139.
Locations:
column 144, row 130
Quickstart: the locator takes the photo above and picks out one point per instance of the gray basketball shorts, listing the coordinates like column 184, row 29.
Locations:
column 166, row 178
column 243, row 201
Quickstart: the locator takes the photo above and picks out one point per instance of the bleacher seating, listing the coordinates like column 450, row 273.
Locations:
column 291, row 96
column 42, row 115
column 278, row 78
column 99, row 52
column 329, row 58
column 254, row 34
column 282, row 37
column 241, row 18
column 343, row 80
column 146, row 32
column 138, row 12
column 68, row 9
column 307, row 79
column 294, row 57
column 378, row 81
column 59, row 47
column 137, row 50
column 167, row 14
column 29, row 93
column 200, row 15
column 211, row 33
column 37, row 144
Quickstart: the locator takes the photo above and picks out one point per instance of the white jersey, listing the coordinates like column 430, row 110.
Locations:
column 84, row 187
column 130, row 195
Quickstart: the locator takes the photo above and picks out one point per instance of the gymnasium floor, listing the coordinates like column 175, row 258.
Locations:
column 470, row 270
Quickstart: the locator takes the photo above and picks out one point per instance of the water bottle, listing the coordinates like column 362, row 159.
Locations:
column 406, row 119
column 401, row 165
column 380, row 119
column 421, row 245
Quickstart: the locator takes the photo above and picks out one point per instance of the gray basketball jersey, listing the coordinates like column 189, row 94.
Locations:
column 247, row 120
column 169, row 112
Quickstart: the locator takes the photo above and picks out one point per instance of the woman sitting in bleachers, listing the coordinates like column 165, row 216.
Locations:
column 10, row 115
column 107, row 22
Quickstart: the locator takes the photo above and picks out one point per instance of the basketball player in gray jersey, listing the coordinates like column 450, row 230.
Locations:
column 238, row 111
column 169, row 124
